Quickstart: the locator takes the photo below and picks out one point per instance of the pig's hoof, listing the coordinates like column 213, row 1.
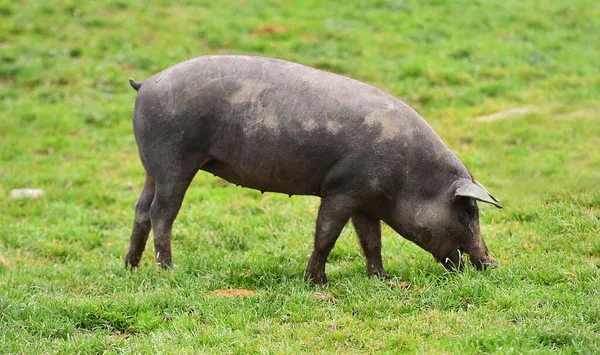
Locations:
column 317, row 279
column 131, row 263
column 130, row 267
column 380, row 274
column 165, row 264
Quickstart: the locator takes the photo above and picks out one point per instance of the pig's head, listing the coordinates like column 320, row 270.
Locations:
column 447, row 223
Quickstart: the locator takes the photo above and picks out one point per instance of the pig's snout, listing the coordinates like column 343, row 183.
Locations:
column 480, row 257
column 486, row 263
column 454, row 262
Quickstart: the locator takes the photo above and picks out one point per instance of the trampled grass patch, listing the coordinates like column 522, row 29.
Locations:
column 65, row 127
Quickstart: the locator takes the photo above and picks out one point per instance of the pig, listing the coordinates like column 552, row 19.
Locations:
column 277, row 126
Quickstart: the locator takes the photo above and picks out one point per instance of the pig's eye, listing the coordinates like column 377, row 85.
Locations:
column 471, row 210
column 468, row 214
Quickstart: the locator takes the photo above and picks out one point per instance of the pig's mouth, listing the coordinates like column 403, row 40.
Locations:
column 486, row 263
column 454, row 261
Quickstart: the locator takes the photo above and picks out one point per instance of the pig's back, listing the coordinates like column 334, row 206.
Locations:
column 278, row 126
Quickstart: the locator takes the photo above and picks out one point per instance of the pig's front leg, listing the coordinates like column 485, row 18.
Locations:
column 334, row 212
column 368, row 230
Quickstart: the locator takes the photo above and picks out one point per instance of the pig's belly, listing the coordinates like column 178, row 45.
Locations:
column 266, row 179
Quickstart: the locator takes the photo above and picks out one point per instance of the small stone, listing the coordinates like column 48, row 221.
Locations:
column 26, row 193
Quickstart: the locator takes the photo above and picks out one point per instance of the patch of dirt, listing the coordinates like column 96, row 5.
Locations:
column 401, row 284
column 324, row 297
column 506, row 114
column 234, row 292
column 519, row 112
column 6, row 82
column 118, row 336
column 578, row 114
column 270, row 29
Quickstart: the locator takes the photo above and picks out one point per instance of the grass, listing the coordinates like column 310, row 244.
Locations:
column 65, row 128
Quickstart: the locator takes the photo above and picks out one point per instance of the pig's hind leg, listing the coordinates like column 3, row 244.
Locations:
column 171, row 184
column 141, row 224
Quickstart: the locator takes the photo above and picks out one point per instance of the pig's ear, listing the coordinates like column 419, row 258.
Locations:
column 484, row 189
column 477, row 192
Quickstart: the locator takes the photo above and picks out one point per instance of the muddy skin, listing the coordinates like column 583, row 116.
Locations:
column 277, row 126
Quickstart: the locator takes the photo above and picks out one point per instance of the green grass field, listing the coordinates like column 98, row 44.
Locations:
column 65, row 127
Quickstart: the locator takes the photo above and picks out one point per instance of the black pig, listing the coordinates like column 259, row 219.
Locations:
column 277, row 126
